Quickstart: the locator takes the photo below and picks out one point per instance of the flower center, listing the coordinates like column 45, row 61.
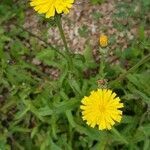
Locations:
column 102, row 108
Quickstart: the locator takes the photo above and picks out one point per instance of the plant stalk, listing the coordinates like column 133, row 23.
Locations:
column 59, row 25
column 68, row 54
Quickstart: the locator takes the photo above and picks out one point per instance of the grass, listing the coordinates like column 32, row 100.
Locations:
column 40, row 112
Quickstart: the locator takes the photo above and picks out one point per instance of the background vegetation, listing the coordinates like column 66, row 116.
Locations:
column 40, row 112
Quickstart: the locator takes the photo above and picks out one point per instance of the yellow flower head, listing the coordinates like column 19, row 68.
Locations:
column 49, row 7
column 101, row 108
column 103, row 40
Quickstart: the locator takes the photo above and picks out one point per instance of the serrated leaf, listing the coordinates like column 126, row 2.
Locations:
column 66, row 105
column 75, row 86
column 70, row 118
column 118, row 136
column 46, row 111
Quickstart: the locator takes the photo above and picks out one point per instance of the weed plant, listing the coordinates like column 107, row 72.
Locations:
column 38, row 112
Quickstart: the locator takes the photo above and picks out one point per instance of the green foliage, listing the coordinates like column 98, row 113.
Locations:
column 97, row 1
column 39, row 112
column 83, row 31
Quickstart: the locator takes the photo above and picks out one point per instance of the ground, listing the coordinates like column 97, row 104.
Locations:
column 86, row 22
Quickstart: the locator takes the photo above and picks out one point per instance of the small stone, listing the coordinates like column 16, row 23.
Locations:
column 35, row 61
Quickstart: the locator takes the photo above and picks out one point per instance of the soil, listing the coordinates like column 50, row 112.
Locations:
column 84, row 24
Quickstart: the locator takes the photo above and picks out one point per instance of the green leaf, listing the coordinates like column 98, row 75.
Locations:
column 66, row 105
column 46, row 54
column 45, row 111
column 75, row 86
column 92, row 133
column 118, row 136
column 88, row 55
column 70, row 118
column 21, row 113
column 146, row 144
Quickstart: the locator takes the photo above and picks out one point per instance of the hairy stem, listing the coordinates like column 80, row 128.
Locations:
column 68, row 54
column 59, row 25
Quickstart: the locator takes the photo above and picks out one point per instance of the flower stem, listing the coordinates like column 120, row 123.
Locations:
column 59, row 25
column 68, row 54
column 103, row 53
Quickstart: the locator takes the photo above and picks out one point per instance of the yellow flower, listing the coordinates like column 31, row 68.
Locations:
column 103, row 40
column 101, row 108
column 49, row 7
